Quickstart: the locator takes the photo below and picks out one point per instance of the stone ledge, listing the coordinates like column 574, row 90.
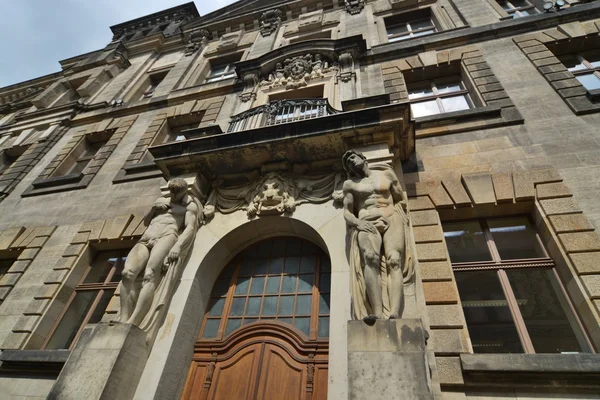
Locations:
column 34, row 356
column 539, row 363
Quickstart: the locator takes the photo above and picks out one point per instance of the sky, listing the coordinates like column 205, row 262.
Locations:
column 36, row 34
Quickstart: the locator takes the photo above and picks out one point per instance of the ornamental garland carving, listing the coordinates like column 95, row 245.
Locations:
column 270, row 21
column 298, row 71
column 276, row 193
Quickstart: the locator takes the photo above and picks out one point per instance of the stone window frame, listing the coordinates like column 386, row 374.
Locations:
column 568, row 38
column 441, row 21
column 32, row 155
column 493, row 107
column 46, row 183
column 201, row 71
column 438, row 96
column 116, row 233
column 25, row 244
column 537, row 4
column 568, row 236
column 134, row 168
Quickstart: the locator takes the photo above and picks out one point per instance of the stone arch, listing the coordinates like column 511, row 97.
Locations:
column 216, row 244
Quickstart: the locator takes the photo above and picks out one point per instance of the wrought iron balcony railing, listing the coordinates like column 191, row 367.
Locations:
column 280, row 112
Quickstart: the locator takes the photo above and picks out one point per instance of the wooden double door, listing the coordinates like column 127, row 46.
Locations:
column 260, row 366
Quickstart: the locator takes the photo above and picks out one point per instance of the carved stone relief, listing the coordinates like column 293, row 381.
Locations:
column 270, row 21
column 354, row 7
column 275, row 193
column 380, row 254
column 229, row 41
column 198, row 39
column 298, row 71
column 310, row 20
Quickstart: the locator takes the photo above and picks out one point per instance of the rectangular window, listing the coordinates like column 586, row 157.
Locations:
column 438, row 97
column 5, row 265
column 585, row 66
column 518, row 8
column 82, row 154
column 221, row 72
column 153, row 81
column 510, row 292
column 407, row 26
column 90, row 299
column 174, row 131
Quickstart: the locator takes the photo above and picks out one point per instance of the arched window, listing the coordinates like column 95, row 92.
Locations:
column 283, row 279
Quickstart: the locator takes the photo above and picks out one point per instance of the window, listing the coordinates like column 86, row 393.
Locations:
column 518, row 8
column 5, row 265
column 173, row 131
column 585, row 67
column 510, row 292
column 407, row 26
column 82, row 154
column 437, row 97
column 5, row 161
column 153, row 81
column 89, row 300
column 283, row 279
column 221, row 72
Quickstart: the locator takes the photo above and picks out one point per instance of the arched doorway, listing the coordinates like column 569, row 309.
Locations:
column 266, row 332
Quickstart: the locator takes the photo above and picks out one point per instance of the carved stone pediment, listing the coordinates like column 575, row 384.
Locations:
column 229, row 41
column 297, row 71
column 276, row 193
column 270, row 21
column 310, row 20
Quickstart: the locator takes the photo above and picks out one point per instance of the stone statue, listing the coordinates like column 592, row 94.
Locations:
column 378, row 224
column 160, row 254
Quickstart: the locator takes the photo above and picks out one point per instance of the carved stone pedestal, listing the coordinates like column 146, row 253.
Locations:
column 388, row 361
column 106, row 363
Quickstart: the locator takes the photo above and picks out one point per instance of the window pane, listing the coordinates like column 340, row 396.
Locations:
column 505, row 4
column 291, row 265
column 253, row 306
column 303, row 324
column 289, row 284
column 520, row 3
column 276, row 266
column 218, row 69
column 589, row 81
column 323, row 327
column 221, row 287
column 324, row 304
column 211, row 328
column 308, row 264
column 421, row 24
column 237, row 306
column 305, row 283
column 269, row 306
column 448, row 87
column 261, row 267
column 325, row 283
column 303, row 304
column 545, row 310
column 286, row 305
column 420, row 92
column 232, row 325
column 217, row 307
column 423, row 32
column 456, row 103
column 424, row 108
column 572, row 63
column 515, row 238
column 397, row 29
column 246, row 268
column 71, row 321
column 258, row 285
column 242, row 286
column 490, row 323
column 273, row 284
column 101, row 267
column 466, row 242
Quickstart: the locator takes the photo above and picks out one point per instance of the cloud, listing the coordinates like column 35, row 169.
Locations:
column 39, row 33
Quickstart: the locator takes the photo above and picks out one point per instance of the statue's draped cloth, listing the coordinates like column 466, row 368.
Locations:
column 166, row 287
column 361, row 307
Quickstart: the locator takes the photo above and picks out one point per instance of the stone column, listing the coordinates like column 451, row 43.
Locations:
column 388, row 361
column 106, row 364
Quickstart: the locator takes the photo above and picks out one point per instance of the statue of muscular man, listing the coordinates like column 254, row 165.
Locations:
column 373, row 212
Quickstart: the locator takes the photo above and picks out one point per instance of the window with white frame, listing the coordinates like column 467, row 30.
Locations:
column 221, row 72
column 518, row 8
column 585, row 66
column 438, row 97
column 407, row 26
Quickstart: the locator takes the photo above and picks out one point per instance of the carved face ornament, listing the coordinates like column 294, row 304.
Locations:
column 272, row 194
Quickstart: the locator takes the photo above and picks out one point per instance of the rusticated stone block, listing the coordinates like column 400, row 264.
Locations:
column 445, row 316
column 580, row 241
column 565, row 205
column 503, row 187
column 440, row 293
column 425, row 234
column 432, row 252
column 457, row 192
column 480, row 187
column 449, row 370
column 435, row 271
column 592, row 285
column 552, row 190
column 448, row 341
column 423, row 218
column 570, row 223
column 420, row 203
column 524, row 182
column 586, row 263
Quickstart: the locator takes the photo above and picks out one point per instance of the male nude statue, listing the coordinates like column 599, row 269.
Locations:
column 160, row 248
column 372, row 212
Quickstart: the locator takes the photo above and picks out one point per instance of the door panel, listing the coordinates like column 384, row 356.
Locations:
column 236, row 378
column 281, row 377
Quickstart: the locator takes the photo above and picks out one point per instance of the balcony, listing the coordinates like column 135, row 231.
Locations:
column 280, row 112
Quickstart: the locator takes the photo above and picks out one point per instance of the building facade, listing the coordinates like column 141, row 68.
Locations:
column 486, row 113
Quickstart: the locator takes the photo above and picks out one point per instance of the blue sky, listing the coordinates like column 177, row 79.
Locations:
column 36, row 34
